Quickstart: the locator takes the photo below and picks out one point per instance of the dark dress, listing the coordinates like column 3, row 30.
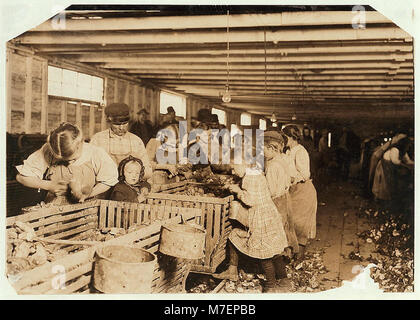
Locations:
column 124, row 192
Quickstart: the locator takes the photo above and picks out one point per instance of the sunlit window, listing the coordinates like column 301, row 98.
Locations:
column 263, row 124
column 76, row 85
column 220, row 114
column 179, row 103
column 245, row 119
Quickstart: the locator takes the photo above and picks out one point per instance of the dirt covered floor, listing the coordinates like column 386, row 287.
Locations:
column 352, row 233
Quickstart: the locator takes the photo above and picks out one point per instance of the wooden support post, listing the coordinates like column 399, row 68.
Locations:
column 127, row 94
column 103, row 117
column 28, row 96
column 153, row 116
column 9, row 90
column 91, row 120
column 197, row 106
column 189, row 112
column 115, row 90
column 157, row 103
column 63, row 113
column 79, row 114
column 44, row 97
column 135, row 99
column 143, row 100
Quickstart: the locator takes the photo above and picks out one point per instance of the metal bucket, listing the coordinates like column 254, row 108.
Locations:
column 184, row 241
column 123, row 269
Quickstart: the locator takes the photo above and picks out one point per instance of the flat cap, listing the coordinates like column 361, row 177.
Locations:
column 143, row 111
column 118, row 112
column 275, row 135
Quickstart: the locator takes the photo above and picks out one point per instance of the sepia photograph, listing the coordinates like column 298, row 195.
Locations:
column 210, row 149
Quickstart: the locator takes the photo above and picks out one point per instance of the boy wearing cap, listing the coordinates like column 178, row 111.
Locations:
column 142, row 127
column 170, row 117
column 117, row 141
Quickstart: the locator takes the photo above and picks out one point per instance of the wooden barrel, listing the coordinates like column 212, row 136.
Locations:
column 184, row 241
column 123, row 269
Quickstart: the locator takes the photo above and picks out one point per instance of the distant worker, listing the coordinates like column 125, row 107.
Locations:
column 142, row 127
column 117, row 141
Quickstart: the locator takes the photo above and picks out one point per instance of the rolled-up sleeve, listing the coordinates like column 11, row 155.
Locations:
column 302, row 163
column 106, row 169
column 277, row 179
column 35, row 165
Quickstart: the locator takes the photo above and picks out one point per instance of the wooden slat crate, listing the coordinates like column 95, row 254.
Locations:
column 214, row 218
column 74, row 222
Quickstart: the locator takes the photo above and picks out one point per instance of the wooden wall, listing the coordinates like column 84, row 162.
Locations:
column 31, row 110
column 26, row 93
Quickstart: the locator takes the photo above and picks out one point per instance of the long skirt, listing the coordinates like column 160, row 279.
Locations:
column 304, row 206
column 265, row 236
column 284, row 207
column 384, row 181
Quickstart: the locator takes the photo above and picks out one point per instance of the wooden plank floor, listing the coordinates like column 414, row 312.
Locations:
column 338, row 224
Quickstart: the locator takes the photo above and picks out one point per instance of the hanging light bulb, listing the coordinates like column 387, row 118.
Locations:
column 226, row 96
column 294, row 117
column 273, row 117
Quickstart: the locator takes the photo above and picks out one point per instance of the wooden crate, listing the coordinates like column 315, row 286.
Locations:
column 75, row 221
column 214, row 218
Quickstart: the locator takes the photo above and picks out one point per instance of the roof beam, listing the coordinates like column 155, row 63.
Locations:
column 216, row 36
column 271, row 77
column 221, row 52
column 312, row 18
column 297, row 83
column 256, row 65
column 272, row 58
column 247, row 91
column 240, row 72
column 55, row 48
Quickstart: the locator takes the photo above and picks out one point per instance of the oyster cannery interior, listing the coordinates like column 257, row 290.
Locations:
column 210, row 149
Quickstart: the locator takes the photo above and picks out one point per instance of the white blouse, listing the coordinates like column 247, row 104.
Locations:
column 300, row 163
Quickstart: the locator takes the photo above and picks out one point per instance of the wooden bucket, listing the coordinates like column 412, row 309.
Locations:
column 123, row 269
column 160, row 177
column 184, row 241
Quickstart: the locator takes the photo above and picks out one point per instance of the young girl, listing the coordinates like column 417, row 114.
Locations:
column 69, row 169
column 279, row 181
column 131, row 186
column 302, row 191
column 264, row 237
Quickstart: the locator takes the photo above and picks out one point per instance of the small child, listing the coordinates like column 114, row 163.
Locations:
column 264, row 237
column 131, row 186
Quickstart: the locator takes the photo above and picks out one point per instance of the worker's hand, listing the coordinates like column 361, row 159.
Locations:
column 141, row 198
column 172, row 169
column 234, row 188
column 59, row 188
column 188, row 175
column 82, row 199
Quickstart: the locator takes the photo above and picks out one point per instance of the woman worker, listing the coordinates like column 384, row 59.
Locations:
column 302, row 191
column 68, row 168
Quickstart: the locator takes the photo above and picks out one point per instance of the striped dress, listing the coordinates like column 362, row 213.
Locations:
column 265, row 236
